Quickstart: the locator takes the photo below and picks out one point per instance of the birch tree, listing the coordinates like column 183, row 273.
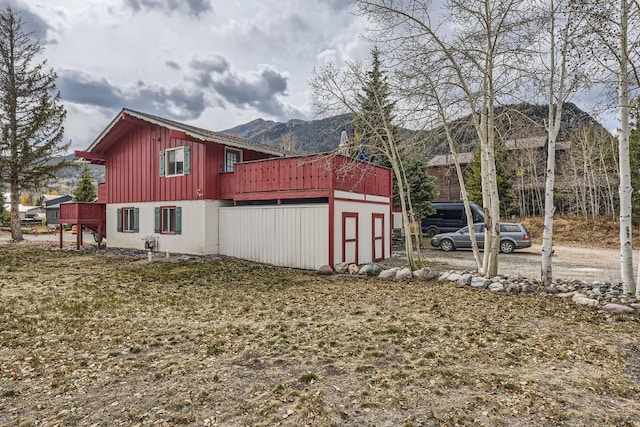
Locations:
column 561, row 82
column 478, row 43
column 616, row 26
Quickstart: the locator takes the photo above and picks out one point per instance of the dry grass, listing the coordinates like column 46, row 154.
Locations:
column 94, row 339
column 602, row 232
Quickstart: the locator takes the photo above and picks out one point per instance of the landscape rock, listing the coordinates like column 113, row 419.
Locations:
column 425, row 273
column 342, row 268
column 514, row 288
column 443, row 277
column 618, row 308
column 364, row 270
column 403, row 274
column 465, row 279
column 353, row 269
column 480, row 282
column 389, row 273
column 582, row 299
column 325, row 270
column 374, row 270
column 496, row 287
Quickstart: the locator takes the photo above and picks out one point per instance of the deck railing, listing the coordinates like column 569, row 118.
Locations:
column 85, row 213
column 306, row 173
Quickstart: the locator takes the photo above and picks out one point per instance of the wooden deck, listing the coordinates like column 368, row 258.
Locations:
column 303, row 177
column 92, row 216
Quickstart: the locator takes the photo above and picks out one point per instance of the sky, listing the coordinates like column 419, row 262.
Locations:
column 210, row 63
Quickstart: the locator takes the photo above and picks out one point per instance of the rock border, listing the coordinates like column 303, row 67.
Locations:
column 602, row 295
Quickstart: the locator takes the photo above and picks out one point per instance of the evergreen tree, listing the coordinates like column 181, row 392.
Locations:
column 504, row 176
column 86, row 190
column 371, row 129
column 421, row 186
column 377, row 115
column 31, row 115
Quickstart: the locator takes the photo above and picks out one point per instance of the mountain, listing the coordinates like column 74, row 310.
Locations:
column 314, row 136
column 512, row 121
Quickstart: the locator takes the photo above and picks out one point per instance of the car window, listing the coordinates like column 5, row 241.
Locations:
column 509, row 228
column 452, row 213
column 478, row 228
column 464, row 230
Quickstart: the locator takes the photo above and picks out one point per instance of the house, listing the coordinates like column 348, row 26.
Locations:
column 526, row 154
column 51, row 205
column 178, row 188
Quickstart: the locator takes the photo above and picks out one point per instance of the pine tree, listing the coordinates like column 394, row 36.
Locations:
column 377, row 111
column 421, row 186
column 86, row 190
column 504, row 176
column 31, row 115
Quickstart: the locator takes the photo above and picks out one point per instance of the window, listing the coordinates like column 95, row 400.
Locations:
column 231, row 157
column 54, row 214
column 128, row 220
column 168, row 220
column 175, row 161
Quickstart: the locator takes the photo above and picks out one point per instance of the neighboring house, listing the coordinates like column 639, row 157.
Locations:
column 178, row 188
column 527, row 154
column 51, row 205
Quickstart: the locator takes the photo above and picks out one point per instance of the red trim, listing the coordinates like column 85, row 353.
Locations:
column 161, row 208
column 374, row 237
column 332, row 230
column 345, row 216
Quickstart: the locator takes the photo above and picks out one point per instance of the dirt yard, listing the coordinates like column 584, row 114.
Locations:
column 104, row 339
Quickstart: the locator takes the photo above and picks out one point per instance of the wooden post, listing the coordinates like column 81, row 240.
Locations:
column 60, row 225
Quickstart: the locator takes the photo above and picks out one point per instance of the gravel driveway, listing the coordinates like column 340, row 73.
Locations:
column 587, row 264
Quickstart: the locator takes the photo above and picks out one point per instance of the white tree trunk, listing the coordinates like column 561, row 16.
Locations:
column 626, row 253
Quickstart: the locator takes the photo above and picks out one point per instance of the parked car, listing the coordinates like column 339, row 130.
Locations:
column 513, row 235
column 449, row 216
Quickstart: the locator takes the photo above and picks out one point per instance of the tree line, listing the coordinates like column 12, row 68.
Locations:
column 469, row 57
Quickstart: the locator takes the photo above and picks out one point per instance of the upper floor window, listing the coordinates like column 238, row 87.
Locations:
column 231, row 157
column 175, row 161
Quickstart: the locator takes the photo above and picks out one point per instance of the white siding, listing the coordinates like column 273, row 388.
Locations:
column 289, row 236
column 199, row 227
column 365, row 209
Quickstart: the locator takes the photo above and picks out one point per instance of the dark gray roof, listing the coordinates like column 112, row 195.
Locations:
column 192, row 131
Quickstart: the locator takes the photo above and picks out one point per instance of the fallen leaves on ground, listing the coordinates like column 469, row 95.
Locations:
column 99, row 339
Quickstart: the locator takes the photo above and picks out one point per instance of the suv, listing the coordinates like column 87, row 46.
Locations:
column 449, row 216
column 513, row 235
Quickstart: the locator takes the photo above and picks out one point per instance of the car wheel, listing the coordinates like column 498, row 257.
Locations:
column 432, row 231
column 447, row 245
column 506, row 246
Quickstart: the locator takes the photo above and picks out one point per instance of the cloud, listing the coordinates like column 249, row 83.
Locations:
column 32, row 22
column 193, row 7
column 178, row 103
column 259, row 89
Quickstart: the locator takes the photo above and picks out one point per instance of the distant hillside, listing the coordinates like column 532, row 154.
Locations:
column 314, row 136
column 513, row 121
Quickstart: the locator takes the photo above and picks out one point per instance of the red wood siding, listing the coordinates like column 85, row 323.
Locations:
column 133, row 167
column 296, row 177
column 85, row 213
